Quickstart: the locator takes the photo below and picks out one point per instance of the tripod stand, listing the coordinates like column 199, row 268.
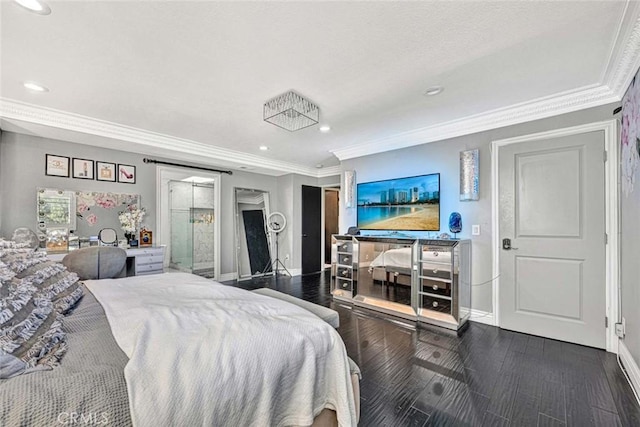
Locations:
column 276, row 262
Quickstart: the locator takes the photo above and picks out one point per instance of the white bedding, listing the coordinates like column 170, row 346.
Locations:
column 201, row 353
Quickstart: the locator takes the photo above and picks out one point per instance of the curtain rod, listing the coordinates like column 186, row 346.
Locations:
column 160, row 162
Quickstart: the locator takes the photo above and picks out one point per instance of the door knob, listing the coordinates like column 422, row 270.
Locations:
column 506, row 245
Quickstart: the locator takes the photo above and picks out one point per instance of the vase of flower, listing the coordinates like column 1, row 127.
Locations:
column 130, row 220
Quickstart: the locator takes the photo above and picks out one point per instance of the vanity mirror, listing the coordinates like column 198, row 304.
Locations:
column 68, row 219
column 253, row 253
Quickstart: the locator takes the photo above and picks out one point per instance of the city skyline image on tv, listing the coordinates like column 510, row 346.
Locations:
column 403, row 204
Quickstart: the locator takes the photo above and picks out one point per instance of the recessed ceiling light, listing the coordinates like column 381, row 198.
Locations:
column 264, row 148
column 35, row 87
column 319, row 165
column 325, row 128
column 433, row 90
column 35, row 6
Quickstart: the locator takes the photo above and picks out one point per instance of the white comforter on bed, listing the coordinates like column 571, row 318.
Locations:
column 201, row 353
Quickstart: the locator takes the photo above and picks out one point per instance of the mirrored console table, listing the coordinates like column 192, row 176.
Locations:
column 426, row 280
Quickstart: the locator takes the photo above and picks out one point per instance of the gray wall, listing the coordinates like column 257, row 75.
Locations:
column 22, row 170
column 290, row 204
column 22, row 159
column 1, row 180
column 443, row 157
column 630, row 267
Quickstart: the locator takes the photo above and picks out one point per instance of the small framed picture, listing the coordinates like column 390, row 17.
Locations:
column 57, row 165
column 126, row 174
column 82, row 168
column 105, row 171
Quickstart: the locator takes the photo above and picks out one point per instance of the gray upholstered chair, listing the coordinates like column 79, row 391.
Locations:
column 97, row 262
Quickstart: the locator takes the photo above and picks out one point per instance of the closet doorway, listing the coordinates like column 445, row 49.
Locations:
column 193, row 219
column 188, row 211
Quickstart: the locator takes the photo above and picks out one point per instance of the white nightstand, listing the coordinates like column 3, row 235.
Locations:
column 145, row 260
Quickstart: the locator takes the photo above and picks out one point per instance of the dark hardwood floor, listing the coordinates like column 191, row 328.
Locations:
column 486, row 377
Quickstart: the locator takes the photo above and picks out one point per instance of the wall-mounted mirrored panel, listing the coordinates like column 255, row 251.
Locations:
column 56, row 213
column 70, row 219
column 253, row 246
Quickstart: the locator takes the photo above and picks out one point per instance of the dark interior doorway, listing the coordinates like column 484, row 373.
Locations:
column 311, row 229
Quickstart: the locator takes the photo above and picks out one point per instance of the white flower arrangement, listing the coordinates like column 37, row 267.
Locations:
column 131, row 219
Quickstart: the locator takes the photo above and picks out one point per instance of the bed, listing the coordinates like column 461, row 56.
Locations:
column 177, row 349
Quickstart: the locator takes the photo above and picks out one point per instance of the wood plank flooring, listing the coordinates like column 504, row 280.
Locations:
column 487, row 377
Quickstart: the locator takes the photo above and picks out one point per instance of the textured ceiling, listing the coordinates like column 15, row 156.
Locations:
column 201, row 71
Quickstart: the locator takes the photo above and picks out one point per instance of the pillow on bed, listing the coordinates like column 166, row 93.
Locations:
column 51, row 279
column 34, row 293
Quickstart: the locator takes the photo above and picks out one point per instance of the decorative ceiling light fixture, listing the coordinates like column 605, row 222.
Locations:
column 291, row 111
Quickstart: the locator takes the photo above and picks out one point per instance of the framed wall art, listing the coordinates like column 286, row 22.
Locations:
column 57, row 165
column 126, row 174
column 469, row 175
column 82, row 168
column 105, row 171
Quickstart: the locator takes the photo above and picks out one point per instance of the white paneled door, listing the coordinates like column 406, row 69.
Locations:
column 552, row 233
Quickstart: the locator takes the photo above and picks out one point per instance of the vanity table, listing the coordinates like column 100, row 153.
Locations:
column 144, row 261
column 425, row 280
column 140, row 261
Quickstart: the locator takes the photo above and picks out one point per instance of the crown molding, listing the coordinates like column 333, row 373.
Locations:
column 624, row 59
column 329, row 171
column 541, row 108
column 150, row 141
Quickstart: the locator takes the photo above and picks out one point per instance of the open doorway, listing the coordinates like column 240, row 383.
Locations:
column 188, row 220
column 331, row 220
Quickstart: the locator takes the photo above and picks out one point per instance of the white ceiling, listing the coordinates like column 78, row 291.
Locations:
column 167, row 76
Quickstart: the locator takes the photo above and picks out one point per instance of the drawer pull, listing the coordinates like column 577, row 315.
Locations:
column 345, row 273
column 345, row 284
column 435, row 253
column 435, row 287
column 435, row 303
column 345, row 246
column 435, row 271
column 346, row 259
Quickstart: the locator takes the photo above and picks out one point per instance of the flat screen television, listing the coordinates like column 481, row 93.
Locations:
column 403, row 204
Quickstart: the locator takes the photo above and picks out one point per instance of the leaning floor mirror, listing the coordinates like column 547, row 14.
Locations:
column 253, row 246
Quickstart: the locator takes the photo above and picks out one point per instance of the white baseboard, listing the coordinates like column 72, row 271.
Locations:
column 295, row 271
column 227, row 276
column 630, row 365
column 482, row 317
